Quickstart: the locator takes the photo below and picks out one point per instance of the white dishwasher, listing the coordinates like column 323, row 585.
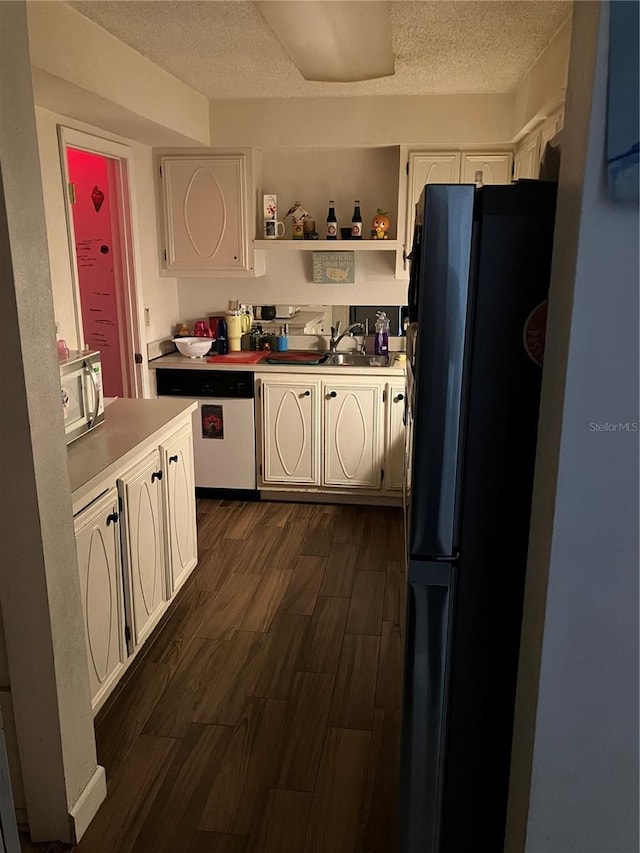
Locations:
column 224, row 435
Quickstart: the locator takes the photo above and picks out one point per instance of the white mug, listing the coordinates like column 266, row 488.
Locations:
column 273, row 229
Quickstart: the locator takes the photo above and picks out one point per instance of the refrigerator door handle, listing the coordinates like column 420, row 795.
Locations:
column 444, row 558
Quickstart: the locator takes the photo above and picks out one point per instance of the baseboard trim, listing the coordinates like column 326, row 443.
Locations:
column 353, row 498
column 83, row 811
column 228, row 494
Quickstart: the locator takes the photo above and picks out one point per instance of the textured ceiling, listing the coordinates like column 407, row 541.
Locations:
column 225, row 49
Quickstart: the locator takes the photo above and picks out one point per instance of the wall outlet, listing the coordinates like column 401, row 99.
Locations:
column 147, row 317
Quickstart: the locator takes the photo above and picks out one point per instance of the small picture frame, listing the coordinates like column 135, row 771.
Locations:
column 269, row 207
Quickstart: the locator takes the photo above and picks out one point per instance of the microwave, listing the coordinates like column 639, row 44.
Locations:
column 81, row 389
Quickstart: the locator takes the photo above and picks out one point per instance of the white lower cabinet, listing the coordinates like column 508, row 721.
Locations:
column 136, row 544
column 181, row 550
column 143, row 544
column 97, row 531
column 394, row 444
column 351, row 440
column 331, row 433
column 291, row 427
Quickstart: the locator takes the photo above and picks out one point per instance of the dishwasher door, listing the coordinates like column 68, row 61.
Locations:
column 224, row 444
column 224, row 435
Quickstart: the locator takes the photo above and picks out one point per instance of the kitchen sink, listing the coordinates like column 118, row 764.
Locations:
column 356, row 359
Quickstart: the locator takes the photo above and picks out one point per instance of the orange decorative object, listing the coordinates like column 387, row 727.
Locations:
column 380, row 224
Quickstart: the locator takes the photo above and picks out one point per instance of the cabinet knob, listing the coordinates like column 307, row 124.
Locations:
column 333, row 394
column 173, row 459
column 112, row 517
column 307, row 393
column 157, row 475
column 399, row 398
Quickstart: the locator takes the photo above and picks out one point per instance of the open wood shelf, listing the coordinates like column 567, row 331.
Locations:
column 328, row 245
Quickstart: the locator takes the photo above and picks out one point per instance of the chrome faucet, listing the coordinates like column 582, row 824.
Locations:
column 336, row 337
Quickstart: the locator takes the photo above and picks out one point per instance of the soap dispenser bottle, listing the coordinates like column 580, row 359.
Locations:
column 381, row 340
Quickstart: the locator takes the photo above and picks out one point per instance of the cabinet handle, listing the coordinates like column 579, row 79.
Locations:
column 333, row 394
column 307, row 394
column 157, row 475
column 173, row 459
column 399, row 398
column 112, row 517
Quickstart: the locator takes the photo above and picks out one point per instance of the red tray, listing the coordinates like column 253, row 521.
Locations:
column 242, row 357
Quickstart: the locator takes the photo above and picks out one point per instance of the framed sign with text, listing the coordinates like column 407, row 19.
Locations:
column 333, row 267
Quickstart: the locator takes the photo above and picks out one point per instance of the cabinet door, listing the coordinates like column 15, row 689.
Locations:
column 526, row 162
column 548, row 130
column 204, row 213
column 181, row 552
column 351, row 425
column 290, row 425
column 143, row 545
column 495, row 168
column 427, row 168
column 394, row 455
column 97, row 530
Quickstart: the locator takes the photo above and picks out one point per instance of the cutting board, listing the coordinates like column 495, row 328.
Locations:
column 242, row 357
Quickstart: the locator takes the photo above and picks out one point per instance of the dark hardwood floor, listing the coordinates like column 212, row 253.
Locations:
column 265, row 716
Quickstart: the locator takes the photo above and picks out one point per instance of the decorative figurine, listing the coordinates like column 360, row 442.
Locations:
column 380, row 224
column 298, row 214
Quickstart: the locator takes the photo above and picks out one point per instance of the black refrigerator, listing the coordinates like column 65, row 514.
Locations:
column 481, row 261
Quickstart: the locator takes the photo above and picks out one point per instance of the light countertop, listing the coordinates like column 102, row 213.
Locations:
column 127, row 425
column 175, row 360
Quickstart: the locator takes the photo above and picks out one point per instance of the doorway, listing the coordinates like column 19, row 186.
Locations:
column 96, row 173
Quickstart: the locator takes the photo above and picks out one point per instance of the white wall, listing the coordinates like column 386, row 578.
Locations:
column 288, row 283
column 371, row 175
column 293, row 126
column 543, row 88
column 574, row 786
column 84, row 71
column 383, row 120
column 159, row 294
column 39, row 583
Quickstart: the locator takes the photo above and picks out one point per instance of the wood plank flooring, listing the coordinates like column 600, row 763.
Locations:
column 265, row 715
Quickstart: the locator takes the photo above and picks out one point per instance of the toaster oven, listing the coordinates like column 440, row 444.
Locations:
column 81, row 389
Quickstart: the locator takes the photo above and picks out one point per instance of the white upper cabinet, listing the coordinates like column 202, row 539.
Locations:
column 352, row 434
column 526, row 162
column 443, row 167
column 427, row 168
column 290, row 429
column 205, row 214
column 97, row 532
column 548, row 130
column 495, row 168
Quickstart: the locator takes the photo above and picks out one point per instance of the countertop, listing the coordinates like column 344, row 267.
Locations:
column 127, row 425
column 175, row 360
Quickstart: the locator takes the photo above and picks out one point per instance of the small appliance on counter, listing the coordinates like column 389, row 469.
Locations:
column 81, row 391
column 285, row 312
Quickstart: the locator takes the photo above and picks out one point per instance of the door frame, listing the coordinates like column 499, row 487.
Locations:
column 128, row 272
